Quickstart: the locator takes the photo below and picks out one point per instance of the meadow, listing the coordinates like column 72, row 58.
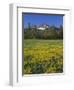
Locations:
column 43, row 56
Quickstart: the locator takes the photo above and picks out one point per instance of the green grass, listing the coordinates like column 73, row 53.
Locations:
column 43, row 56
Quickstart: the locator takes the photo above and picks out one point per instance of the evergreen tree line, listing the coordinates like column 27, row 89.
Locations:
column 49, row 33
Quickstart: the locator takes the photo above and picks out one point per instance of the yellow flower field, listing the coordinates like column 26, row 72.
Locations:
column 43, row 56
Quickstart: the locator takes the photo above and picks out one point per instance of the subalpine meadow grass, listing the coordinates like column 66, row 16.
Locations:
column 43, row 56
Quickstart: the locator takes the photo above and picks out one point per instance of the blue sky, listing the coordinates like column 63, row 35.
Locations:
column 38, row 19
